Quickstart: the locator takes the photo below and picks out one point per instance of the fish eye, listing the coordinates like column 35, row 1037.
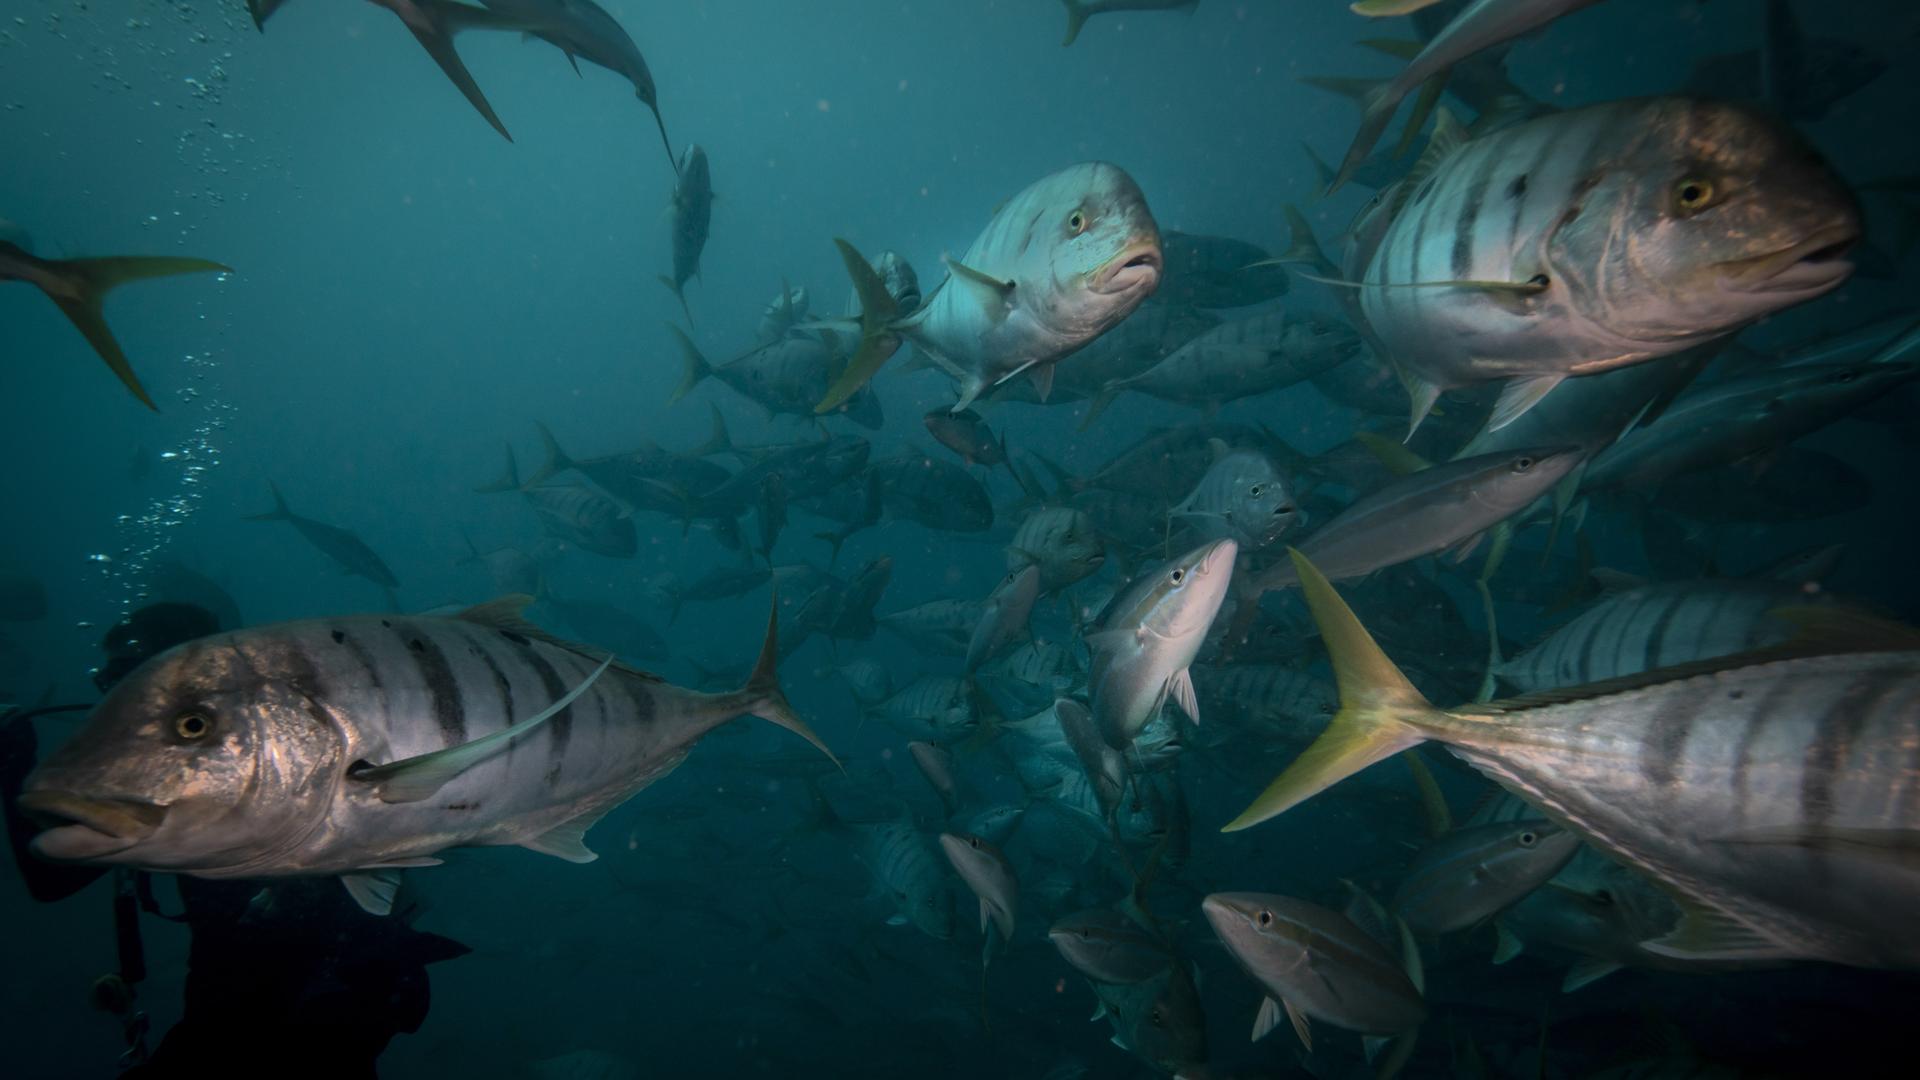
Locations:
column 1523, row 464
column 1264, row 919
column 1077, row 222
column 1528, row 838
column 1179, row 576
column 1255, row 491
column 1693, row 194
column 973, row 842
column 192, row 726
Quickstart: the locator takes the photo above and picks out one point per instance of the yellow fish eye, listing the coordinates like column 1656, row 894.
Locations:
column 1693, row 194
column 1077, row 222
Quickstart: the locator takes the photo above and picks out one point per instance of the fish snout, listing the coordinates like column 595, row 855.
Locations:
column 76, row 827
column 1139, row 266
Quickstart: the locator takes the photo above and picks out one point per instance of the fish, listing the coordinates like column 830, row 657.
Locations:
column 1068, row 257
column 692, row 217
column 784, row 377
column 1278, row 702
column 343, row 547
column 1159, row 1020
column 1501, row 265
column 934, row 493
column 1106, row 767
column 721, row 584
column 359, row 745
column 1110, row 947
column 910, row 875
column 1764, row 791
column 648, row 478
column 967, row 435
column 1649, row 625
column 1131, row 346
column 1243, row 498
column 171, row 579
column 80, row 286
column 1313, row 963
column 783, row 314
column 940, row 626
column 870, row 680
column 1216, row 272
column 932, row 708
column 1004, row 616
column 509, row 569
column 584, row 518
column 583, row 30
column 1239, row 359
column 770, row 513
column 901, row 280
column 1079, row 11
column 1425, row 512
column 1473, row 873
column 1062, row 542
column 936, row 765
column 434, row 24
column 1479, row 26
column 1150, row 634
column 986, row 871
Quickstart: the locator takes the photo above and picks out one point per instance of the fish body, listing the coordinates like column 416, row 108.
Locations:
column 967, row 435
column 362, row 744
column 1315, row 962
column 934, row 493
column 1217, row 272
column 1241, row 359
column 1772, row 793
column 1004, row 616
column 343, row 547
column 932, row 708
column 940, row 626
column 1059, row 263
column 583, row 30
column 1159, row 1020
column 785, row 377
column 584, row 518
column 692, row 219
column 1472, row 873
column 1062, row 542
column 911, row 875
column 986, row 871
column 1242, row 497
column 1149, row 636
column 1609, row 239
column 1109, row 947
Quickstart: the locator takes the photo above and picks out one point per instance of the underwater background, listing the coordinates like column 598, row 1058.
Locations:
column 409, row 291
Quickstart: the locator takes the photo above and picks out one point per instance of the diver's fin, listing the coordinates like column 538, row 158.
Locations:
column 1518, row 396
column 373, row 889
column 418, row 777
column 87, row 283
column 1380, row 711
column 878, row 342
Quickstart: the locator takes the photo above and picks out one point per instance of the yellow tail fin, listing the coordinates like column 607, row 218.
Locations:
column 1380, row 711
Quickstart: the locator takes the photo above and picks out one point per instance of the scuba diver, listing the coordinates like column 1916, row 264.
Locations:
column 273, row 965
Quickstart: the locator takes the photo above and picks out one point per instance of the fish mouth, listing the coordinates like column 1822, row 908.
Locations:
column 1138, row 266
column 80, row 827
column 1813, row 265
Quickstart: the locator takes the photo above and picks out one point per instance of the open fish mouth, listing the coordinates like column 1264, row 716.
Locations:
column 1815, row 264
column 1139, row 265
column 79, row 827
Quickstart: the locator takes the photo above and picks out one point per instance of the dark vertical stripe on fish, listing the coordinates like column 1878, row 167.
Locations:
column 443, row 689
column 1764, row 712
column 1834, row 735
column 560, row 728
column 1664, row 740
column 1464, row 225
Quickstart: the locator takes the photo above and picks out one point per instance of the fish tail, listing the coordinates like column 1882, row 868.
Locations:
column 763, row 697
column 509, row 480
column 280, row 512
column 557, row 460
column 87, row 283
column 1099, row 404
column 695, row 367
column 718, row 441
column 1377, row 106
column 1302, row 247
column 680, row 293
column 877, row 339
column 447, row 20
column 1076, row 18
column 1381, row 713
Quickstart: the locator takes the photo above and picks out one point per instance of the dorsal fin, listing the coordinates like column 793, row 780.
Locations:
column 1447, row 137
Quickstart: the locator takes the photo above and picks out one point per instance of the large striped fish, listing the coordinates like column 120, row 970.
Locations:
column 1588, row 240
column 360, row 745
column 1774, row 794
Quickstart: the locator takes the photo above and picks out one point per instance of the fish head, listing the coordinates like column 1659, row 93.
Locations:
column 902, row 283
column 1329, row 342
column 211, row 756
column 1188, row 591
column 1087, row 250
column 1512, row 479
column 1260, row 503
column 694, row 174
column 929, row 908
column 1171, row 1029
column 1257, row 930
column 1714, row 216
column 981, row 866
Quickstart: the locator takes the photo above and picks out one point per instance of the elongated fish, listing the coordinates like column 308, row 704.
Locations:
column 1239, row 359
column 1472, row 873
column 692, row 216
column 1109, row 946
column 80, row 287
column 583, row 30
column 1596, row 238
column 1004, row 617
column 343, row 547
column 1063, row 260
column 785, row 376
column 986, row 871
column 1775, row 794
column 1149, row 636
column 360, row 745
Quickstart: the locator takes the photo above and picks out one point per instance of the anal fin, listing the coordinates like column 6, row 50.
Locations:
column 374, row 889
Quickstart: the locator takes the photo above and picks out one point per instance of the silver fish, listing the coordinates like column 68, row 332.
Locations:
column 1472, row 873
column 1240, row 359
column 1149, row 636
column 1242, row 497
column 1062, row 542
column 336, row 543
column 692, row 219
column 1003, row 617
column 986, row 871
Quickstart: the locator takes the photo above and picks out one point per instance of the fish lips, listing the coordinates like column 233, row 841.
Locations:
column 1810, row 267
column 79, row 827
column 1139, row 266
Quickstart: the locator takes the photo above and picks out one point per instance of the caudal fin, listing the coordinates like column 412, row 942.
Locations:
column 679, row 293
column 557, row 460
column 1381, row 713
column 1100, row 403
column 509, row 480
column 87, row 283
column 878, row 342
column 1076, row 18
column 718, row 440
column 763, row 697
column 279, row 511
column 694, row 366
column 1377, row 106
column 447, row 19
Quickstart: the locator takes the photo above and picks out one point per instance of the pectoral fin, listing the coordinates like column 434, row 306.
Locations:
column 1705, row 933
column 1518, row 396
column 1180, row 689
column 992, row 293
column 373, row 889
column 416, row 778
column 1300, row 1025
column 1266, row 1019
